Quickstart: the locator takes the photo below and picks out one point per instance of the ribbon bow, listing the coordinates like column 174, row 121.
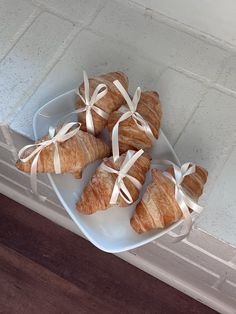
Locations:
column 119, row 186
column 60, row 137
column 183, row 199
column 90, row 102
column 131, row 112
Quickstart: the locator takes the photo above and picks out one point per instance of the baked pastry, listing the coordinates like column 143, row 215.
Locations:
column 75, row 154
column 132, row 136
column 97, row 194
column 108, row 103
column 158, row 207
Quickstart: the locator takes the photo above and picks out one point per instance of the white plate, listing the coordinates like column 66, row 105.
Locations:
column 109, row 230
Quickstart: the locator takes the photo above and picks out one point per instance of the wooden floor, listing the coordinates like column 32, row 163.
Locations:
column 46, row 269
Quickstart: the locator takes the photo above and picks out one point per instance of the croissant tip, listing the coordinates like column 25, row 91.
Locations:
column 123, row 75
column 155, row 93
column 77, row 175
column 204, row 173
column 78, row 207
column 154, row 171
column 18, row 164
column 121, row 72
column 83, row 209
column 146, row 154
column 151, row 92
column 135, row 225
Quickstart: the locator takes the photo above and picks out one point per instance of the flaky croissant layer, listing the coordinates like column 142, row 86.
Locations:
column 130, row 135
column 110, row 102
column 75, row 154
column 97, row 194
column 158, row 207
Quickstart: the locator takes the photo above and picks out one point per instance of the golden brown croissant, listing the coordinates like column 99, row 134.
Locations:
column 97, row 194
column 75, row 154
column 130, row 135
column 158, row 207
column 110, row 102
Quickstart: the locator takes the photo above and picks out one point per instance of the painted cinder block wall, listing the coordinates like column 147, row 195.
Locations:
column 186, row 50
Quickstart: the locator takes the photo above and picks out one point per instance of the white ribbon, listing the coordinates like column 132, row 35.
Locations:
column 119, row 186
column 183, row 199
column 60, row 137
column 131, row 112
column 99, row 92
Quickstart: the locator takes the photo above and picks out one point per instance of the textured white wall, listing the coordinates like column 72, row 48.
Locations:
column 212, row 17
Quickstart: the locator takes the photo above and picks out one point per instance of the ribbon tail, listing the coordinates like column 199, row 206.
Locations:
column 124, row 93
column 136, row 98
column 57, row 162
column 89, row 121
column 144, row 126
column 115, row 142
column 184, row 232
column 33, row 178
column 187, row 224
column 33, row 173
column 115, row 136
column 115, row 193
column 124, row 193
column 86, row 87
column 190, row 203
column 135, row 182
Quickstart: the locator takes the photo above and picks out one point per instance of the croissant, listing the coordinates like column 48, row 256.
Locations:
column 158, row 207
column 97, row 194
column 110, row 102
column 75, row 154
column 130, row 135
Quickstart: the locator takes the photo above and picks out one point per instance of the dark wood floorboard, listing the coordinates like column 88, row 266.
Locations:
column 47, row 269
column 27, row 287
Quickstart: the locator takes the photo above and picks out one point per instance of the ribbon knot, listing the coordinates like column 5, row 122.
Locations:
column 99, row 92
column 61, row 136
column 131, row 111
column 183, row 199
column 119, row 186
